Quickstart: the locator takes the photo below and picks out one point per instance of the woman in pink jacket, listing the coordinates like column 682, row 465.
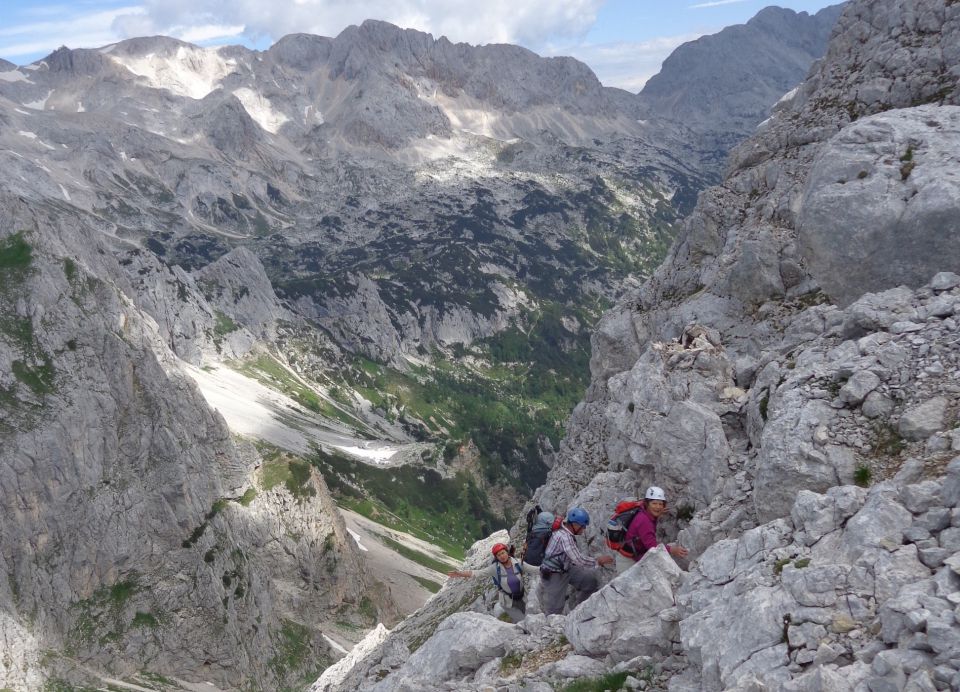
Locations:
column 642, row 533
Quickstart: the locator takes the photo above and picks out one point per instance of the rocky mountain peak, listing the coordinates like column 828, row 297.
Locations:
column 712, row 85
column 143, row 46
column 304, row 52
column 77, row 62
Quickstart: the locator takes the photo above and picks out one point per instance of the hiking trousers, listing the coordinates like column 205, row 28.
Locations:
column 553, row 591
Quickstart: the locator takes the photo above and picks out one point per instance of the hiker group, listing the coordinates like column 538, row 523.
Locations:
column 551, row 551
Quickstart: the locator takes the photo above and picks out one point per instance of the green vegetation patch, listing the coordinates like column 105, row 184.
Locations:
column 38, row 378
column 510, row 663
column 224, row 325
column 195, row 535
column 100, row 618
column 888, row 441
column 445, row 511
column 16, row 256
column 608, row 683
column 61, row 685
column 428, row 584
column 145, row 620
column 294, row 659
column 283, row 468
column 274, row 473
column 19, row 330
column 298, row 482
column 414, row 555
column 270, row 372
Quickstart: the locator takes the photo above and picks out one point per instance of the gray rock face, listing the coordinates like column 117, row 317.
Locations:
column 461, row 644
column 819, row 394
column 921, row 421
column 623, row 620
column 132, row 547
column 881, row 202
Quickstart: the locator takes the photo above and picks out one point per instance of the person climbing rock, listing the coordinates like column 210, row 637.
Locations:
column 642, row 532
column 564, row 565
column 507, row 574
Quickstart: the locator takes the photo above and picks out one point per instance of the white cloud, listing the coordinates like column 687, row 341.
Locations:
column 715, row 3
column 627, row 65
column 493, row 21
column 47, row 31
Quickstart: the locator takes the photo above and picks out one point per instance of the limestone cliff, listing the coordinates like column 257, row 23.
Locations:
column 139, row 537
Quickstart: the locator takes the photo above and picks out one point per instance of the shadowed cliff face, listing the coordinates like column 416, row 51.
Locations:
column 720, row 87
column 139, row 536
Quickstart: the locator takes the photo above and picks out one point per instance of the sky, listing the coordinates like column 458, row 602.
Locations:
column 623, row 41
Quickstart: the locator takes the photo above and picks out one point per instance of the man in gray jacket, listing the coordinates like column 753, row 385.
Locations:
column 565, row 565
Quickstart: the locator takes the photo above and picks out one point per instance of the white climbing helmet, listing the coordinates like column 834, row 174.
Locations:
column 655, row 493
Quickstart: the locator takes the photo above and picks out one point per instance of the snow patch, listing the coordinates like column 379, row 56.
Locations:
column 250, row 408
column 261, row 110
column 468, row 117
column 14, row 76
column 80, row 108
column 22, row 112
column 191, row 72
column 334, row 645
column 378, row 455
column 789, row 95
column 66, row 195
column 356, row 537
column 33, row 136
column 41, row 104
column 311, row 113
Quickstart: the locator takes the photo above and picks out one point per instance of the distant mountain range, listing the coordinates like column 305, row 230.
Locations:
column 721, row 86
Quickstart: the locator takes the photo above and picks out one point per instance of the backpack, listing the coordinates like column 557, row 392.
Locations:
column 619, row 523
column 540, row 526
column 498, row 579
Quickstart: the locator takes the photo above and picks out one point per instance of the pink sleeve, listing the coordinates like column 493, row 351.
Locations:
column 642, row 532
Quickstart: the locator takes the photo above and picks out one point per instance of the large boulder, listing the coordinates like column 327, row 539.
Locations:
column 881, row 202
column 623, row 619
column 462, row 643
column 790, row 460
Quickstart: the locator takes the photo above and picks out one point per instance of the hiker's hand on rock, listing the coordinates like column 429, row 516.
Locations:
column 604, row 560
column 463, row 574
column 679, row 551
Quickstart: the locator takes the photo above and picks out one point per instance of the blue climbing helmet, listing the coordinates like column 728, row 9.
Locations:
column 578, row 515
